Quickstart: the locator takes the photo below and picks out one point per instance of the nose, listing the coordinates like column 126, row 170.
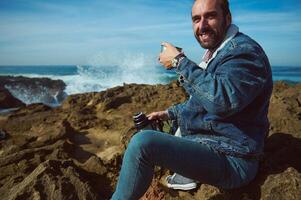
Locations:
column 203, row 23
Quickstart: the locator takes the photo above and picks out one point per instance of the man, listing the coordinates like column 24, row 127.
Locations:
column 224, row 122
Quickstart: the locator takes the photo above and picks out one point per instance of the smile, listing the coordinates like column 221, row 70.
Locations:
column 206, row 35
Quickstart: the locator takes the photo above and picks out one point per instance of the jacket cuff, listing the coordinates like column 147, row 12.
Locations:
column 183, row 64
column 171, row 113
column 185, row 69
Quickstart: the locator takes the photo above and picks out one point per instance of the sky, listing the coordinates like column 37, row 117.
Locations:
column 52, row 32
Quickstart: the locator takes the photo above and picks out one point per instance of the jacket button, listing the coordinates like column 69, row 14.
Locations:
column 181, row 79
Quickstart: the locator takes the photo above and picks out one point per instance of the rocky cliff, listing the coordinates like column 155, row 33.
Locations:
column 75, row 151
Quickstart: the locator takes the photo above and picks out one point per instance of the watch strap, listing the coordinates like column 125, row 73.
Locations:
column 177, row 60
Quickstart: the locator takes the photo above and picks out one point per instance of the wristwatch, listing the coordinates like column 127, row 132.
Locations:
column 177, row 60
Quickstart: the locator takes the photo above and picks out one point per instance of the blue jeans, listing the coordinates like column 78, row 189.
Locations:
column 190, row 159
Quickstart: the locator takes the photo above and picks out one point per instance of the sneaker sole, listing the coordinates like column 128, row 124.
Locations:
column 188, row 186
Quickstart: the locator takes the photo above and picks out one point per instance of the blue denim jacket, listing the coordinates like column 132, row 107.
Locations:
column 229, row 101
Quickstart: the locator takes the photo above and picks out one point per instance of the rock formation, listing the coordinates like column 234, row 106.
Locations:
column 33, row 90
column 75, row 151
column 7, row 100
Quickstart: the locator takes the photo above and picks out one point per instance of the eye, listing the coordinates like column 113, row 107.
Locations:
column 196, row 19
column 211, row 15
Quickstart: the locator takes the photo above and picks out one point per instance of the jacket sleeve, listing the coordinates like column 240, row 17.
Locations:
column 174, row 111
column 237, row 80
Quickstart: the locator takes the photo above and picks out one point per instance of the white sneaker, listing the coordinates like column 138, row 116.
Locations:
column 178, row 182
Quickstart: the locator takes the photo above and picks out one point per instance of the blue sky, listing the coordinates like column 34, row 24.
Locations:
column 74, row 31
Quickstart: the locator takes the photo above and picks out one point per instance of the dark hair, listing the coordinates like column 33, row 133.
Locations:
column 225, row 7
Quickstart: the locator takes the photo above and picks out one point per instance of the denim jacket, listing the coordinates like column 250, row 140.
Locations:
column 229, row 100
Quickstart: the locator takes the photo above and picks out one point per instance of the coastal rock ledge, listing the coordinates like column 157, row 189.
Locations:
column 74, row 151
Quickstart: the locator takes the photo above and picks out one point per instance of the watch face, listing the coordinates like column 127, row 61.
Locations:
column 174, row 62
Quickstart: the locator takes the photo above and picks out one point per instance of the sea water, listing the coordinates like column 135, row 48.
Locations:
column 99, row 76
column 102, row 73
column 85, row 78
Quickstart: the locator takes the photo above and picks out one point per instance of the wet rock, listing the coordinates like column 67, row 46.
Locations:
column 35, row 90
column 7, row 100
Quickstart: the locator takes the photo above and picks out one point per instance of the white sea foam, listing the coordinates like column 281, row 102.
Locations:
column 40, row 94
column 107, row 70
column 104, row 70
column 124, row 67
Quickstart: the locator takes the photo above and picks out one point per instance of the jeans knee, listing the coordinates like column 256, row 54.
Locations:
column 141, row 142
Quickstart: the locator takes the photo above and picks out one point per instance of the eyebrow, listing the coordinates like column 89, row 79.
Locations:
column 210, row 13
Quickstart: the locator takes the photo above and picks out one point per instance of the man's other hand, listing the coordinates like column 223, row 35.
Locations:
column 169, row 53
column 160, row 115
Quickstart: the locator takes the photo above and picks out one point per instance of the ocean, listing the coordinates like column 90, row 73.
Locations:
column 81, row 78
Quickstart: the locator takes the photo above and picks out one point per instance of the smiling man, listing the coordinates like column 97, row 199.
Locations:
column 210, row 24
column 221, row 128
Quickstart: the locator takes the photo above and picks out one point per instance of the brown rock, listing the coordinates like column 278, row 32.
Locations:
column 285, row 109
column 75, row 151
column 54, row 179
column 155, row 192
column 286, row 185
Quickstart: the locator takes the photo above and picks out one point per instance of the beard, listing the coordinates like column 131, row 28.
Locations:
column 215, row 36
column 212, row 42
